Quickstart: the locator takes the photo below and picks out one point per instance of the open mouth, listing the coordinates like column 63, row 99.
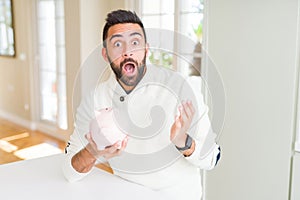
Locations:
column 129, row 68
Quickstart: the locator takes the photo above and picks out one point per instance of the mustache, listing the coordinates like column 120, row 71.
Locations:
column 128, row 60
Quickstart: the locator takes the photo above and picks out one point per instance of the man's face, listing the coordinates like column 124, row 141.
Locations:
column 126, row 51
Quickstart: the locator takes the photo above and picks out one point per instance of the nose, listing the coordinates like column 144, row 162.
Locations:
column 128, row 54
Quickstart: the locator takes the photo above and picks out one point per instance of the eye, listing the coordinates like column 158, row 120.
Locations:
column 117, row 44
column 135, row 42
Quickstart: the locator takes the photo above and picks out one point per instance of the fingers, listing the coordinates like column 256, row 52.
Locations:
column 89, row 138
column 109, row 151
column 124, row 143
column 115, row 150
column 182, row 115
column 188, row 108
column 182, row 122
column 187, row 111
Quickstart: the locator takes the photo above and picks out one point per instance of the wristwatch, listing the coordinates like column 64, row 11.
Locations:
column 188, row 144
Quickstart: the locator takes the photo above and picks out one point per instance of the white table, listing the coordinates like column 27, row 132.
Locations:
column 42, row 179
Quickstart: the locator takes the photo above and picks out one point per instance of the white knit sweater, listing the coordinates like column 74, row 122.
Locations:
column 147, row 113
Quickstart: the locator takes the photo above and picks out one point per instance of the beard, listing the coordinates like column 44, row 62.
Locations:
column 129, row 80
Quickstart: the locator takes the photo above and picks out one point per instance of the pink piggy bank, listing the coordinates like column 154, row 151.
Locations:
column 104, row 129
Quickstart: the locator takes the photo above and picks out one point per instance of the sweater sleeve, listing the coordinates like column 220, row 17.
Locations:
column 207, row 151
column 77, row 140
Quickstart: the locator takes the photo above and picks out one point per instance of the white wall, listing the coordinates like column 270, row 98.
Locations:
column 295, row 192
column 253, row 44
column 15, row 71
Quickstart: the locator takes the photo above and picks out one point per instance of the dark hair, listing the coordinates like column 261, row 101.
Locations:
column 121, row 17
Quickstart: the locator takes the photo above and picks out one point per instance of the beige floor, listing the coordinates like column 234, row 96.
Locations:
column 18, row 143
column 15, row 138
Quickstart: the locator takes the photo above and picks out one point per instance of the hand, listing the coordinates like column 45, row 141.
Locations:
column 85, row 159
column 109, row 151
column 182, row 123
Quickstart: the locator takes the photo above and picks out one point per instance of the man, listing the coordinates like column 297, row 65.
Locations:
column 169, row 133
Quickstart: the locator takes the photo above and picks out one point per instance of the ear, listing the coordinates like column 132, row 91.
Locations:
column 104, row 54
column 147, row 48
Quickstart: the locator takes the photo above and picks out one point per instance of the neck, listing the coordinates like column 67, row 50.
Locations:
column 126, row 88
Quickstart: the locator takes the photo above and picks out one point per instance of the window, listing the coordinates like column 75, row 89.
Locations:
column 7, row 47
column 184, row 17
column 52, row 66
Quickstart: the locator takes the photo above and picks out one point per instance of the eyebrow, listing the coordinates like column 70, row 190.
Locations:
column 136, row 33
column 120, row 35
column 116, row 35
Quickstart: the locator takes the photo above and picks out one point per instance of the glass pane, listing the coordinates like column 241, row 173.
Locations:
column 59, row 8
column 159, row 21
column 45, row 9
column 191, row 21
column 157, row 7
column 159, row 38
column 46, row 31
column 161, row 58
column 151, row 7
column 186, row 46
column 61, row 60
column 167, row 22
column 62, row 102
column 167, row 6
column 4, row 42
column 62, row 115
column 62, row 87
column 161, row 47
column 48, row 90
column 192, row 6
column 48, row 83
column 191, row 25
column 151, row 21
column 49, row 107
column 52, row 62
column 60, row 31
column 47, row 60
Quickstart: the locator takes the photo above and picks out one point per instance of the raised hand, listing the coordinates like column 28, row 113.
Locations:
column 182, row 123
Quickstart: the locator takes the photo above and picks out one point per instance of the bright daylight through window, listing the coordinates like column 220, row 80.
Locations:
column 184, row 17
column 52, row 66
